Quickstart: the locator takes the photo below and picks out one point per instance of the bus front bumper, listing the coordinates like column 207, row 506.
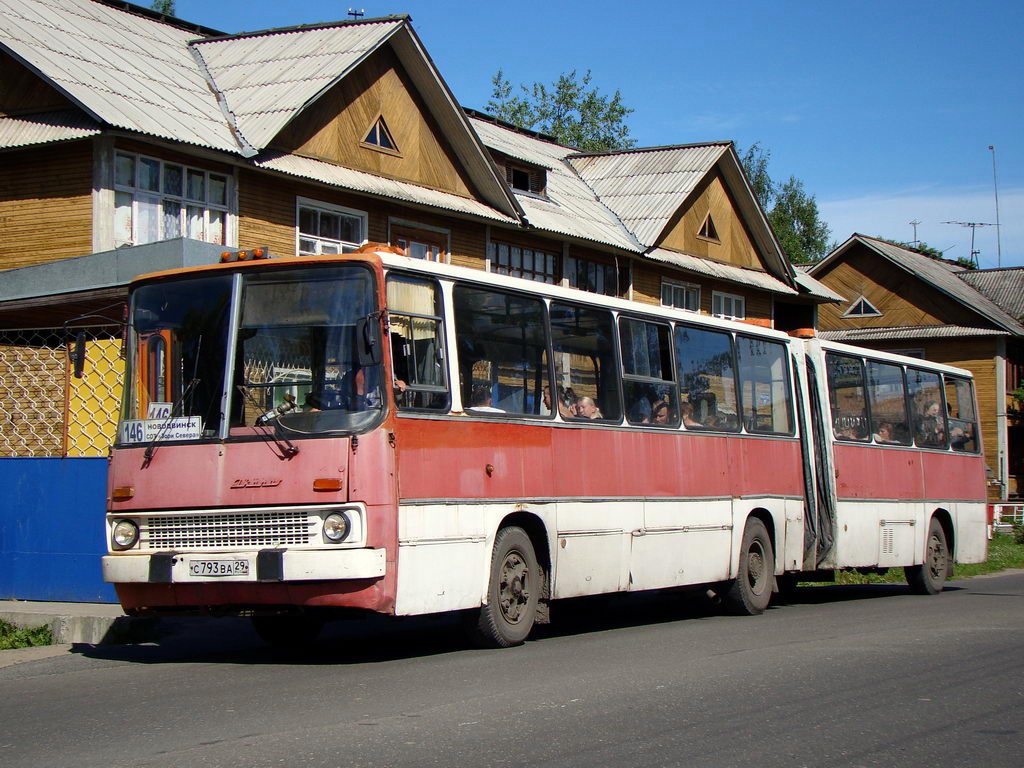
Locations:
column 263, row 566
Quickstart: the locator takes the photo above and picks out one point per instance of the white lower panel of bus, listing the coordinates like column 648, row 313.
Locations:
column 595, row 547
column 889, row 534
column 296, row 565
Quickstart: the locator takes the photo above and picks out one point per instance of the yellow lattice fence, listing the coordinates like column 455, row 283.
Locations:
column 44, row 409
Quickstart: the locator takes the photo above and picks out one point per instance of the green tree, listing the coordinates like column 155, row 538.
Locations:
column 569, row 109
column 166, row 7
column 792, row 213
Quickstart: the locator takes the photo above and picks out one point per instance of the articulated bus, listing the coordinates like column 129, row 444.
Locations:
column 306, row 438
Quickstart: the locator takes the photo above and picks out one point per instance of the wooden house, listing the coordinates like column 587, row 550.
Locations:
column 121, row 129
column 900, row 300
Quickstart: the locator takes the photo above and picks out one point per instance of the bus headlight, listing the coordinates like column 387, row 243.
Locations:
column 337, row 527
column 124, row 534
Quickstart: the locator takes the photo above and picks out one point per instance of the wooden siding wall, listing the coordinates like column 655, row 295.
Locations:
column 45, row 203
column 22, row 92
column 333, row 128
column 647, row 288
column 978, row 357
column 735, row 245
column 902, row 298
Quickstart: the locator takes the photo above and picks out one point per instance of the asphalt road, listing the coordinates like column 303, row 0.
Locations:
column 843, row 676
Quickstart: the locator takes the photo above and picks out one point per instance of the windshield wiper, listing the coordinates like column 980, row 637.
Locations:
column 286, row 449
column 151, row 447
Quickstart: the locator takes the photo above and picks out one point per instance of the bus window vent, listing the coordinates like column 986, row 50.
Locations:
column 887, row 541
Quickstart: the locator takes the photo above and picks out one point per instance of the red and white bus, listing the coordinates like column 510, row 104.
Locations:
column 372, row 433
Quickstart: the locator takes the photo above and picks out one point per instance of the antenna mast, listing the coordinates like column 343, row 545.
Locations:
column 914, row 243
column 973, row 225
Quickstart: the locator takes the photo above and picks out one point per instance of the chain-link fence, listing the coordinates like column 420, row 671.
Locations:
column 44, row 409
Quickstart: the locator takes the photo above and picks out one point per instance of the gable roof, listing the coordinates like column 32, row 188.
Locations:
column 944, row 276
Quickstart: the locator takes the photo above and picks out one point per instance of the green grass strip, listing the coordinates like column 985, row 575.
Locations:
column 23, row 637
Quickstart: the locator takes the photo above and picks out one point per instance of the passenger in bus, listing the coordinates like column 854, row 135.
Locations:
column 884, row 432
column 930, row 430
column 481, row 399
column 661, row 413
column 586, row 408
column 686, row 408
column 961, row 438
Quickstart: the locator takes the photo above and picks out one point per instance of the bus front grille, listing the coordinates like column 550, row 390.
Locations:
column 244, row 530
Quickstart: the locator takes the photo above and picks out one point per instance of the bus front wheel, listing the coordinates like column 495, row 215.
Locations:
column 929, row 577
column 513, row 592
column 751, row 592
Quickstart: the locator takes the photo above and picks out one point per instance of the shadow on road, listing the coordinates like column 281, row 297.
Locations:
column 376, row 639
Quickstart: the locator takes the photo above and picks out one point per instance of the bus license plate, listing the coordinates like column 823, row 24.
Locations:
column 218, row 568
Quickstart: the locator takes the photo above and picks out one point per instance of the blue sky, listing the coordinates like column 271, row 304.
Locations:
column 885, row 110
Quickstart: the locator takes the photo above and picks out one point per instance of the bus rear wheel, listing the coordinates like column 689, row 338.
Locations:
column 751, row 592
column 513, row 592
column 929, row 577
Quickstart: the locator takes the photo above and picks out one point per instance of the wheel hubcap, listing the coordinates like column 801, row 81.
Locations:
column 513, row 587
column 755, row 568
column 937, row 559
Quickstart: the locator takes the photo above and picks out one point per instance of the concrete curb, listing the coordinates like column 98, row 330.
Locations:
column 93, row 623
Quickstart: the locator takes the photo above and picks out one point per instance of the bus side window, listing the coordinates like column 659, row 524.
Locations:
column 648, row 381
column 846, row 393
column 707, row 378
column 887, row 394
column 963, row 422
column 502, row 352
column 927, row 408
column 416, row 330
column 587, row 386
column 764, row 386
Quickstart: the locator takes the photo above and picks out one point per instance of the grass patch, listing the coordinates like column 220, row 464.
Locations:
column 1003, row 552
column 19, row 637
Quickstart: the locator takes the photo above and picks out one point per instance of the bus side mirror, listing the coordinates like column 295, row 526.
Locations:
column 369, row 349
column 78, row 354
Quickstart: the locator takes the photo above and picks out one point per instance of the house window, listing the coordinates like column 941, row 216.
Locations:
column 862, row 308
column 918, row 353
column 515, row 261
column 379, row 137
column 523, row 178
column 428, row 244
column 155, row 200
column 328, row 229
column 680, row 295
column 592, row 276
column 707, row 230
column 728, row 306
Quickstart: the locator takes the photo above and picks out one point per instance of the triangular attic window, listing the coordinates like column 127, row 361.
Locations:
column 862, row 308
column 707, row 229
column 380, row 137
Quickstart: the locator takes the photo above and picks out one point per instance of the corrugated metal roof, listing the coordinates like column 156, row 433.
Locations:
column 752, row 277
column 942, row 275
column 814, row 287
column 1004, row 286
column 572, row 208
column 266, row 78
column 646, row 187
column 336, row 175
column 65, row 125
column 908, row 333
column 129, row 71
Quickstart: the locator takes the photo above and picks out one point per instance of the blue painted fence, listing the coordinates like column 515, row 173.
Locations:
column 51, row 530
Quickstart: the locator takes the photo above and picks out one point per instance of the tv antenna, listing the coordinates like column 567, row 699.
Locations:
column 973, row 225
column 356, row 14
column 914, row 224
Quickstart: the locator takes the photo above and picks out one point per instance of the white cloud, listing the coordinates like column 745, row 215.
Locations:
column 888, row 215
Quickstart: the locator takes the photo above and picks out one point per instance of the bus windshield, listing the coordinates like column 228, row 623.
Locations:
column 295, row 363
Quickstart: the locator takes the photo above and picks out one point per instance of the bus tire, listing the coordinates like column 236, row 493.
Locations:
column 512, row 594
column 751, row 591
column 929, row 577
column 287, row 631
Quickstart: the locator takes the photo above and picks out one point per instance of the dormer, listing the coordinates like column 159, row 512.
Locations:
column 521, row 176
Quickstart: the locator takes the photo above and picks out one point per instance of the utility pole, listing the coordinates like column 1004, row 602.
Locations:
column 995, row 189
column 973, row 225
column 914, row 242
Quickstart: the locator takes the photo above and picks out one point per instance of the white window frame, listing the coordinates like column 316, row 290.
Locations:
column 160, row 198
column 728, row 306
column 862, row 298
column 343, row 246
column 690, row 290
column 395, row 222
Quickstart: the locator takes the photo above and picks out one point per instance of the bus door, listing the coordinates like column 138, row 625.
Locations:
column 819, row 483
